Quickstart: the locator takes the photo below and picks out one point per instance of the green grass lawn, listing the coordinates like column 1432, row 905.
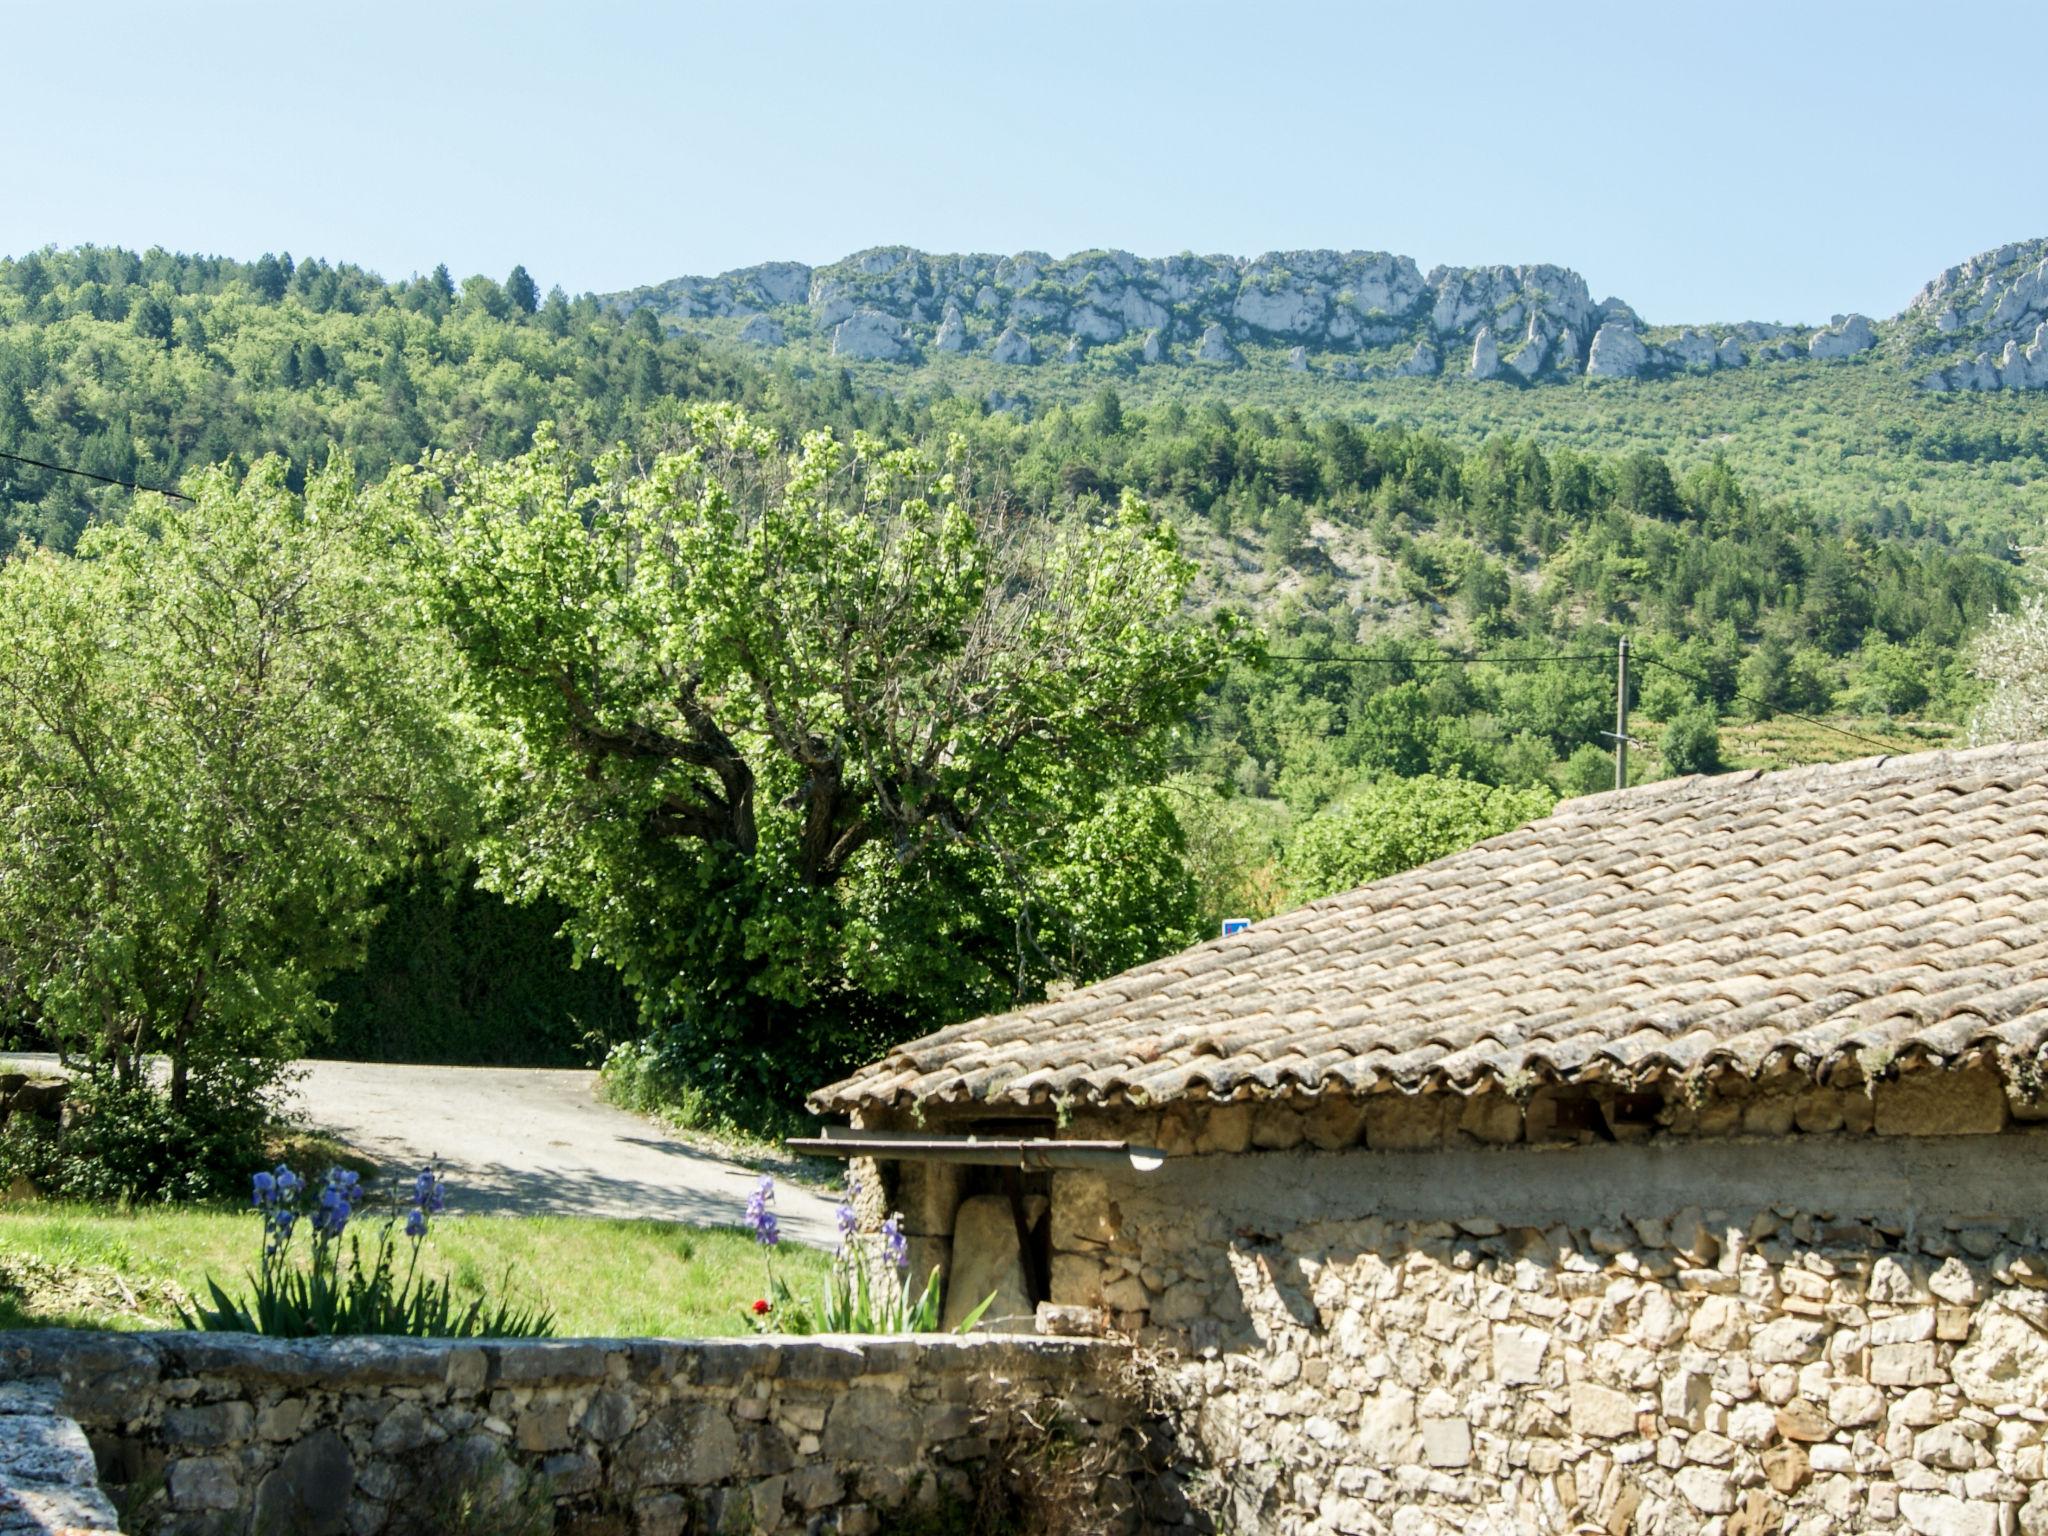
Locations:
column 76, row 1266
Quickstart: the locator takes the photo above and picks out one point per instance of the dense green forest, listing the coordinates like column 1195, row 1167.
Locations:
column 1783, row 544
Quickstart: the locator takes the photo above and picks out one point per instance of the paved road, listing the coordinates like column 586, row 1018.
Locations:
column 535, row 1141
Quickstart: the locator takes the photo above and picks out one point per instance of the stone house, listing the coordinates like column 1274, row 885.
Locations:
column 1675, row 1164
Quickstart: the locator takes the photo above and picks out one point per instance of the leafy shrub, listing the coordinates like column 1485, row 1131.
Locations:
column 1692, row 742
column 128, row 1143
column 337, row 1291
column 1588, row 771
column 1397, row 824
column 650, row 1077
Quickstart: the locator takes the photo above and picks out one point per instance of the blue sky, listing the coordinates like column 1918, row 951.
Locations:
column 1704, row 162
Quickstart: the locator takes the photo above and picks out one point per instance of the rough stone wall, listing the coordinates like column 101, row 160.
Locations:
column 217, row 1433
column 1736, row 1337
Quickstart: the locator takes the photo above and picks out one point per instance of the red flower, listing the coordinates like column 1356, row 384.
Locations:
column 760, row 1307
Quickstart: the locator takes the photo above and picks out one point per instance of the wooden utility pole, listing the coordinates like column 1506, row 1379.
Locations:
column 1621, row 716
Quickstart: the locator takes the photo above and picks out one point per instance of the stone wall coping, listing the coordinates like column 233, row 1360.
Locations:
column 104, row 1357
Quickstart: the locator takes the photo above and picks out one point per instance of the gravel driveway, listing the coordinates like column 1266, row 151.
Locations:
column 533, row 1141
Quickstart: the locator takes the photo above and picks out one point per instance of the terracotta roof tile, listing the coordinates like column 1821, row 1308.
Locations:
column 1893, row 904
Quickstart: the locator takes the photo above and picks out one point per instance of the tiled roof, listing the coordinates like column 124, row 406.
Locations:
column 1897, row 906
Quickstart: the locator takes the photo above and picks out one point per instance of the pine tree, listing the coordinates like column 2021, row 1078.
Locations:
column 521, row 289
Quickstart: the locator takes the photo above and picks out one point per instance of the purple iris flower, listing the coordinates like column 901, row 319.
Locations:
column 333, row 1213
column 766, row 1231
column 427, row 1192
column 849, row 1222
column 894, row 1243
column 265, row 1190
column 288, row 1183
column 416, row 1223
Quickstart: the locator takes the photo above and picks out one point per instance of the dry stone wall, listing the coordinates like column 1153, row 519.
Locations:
column 221, row 1433
column 1799, row 1335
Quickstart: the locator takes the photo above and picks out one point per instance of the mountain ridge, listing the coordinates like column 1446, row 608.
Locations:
column 1979, row 325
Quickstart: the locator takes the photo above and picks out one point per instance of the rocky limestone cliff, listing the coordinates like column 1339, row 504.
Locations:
column 1345, row 314
column 1987, row 319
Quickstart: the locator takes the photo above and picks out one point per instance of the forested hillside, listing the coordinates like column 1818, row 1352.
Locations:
column 1804, row 541
column 143, row 367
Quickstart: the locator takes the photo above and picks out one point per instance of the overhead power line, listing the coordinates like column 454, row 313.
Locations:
column 1887, row 747
column 1497, row 659
column 1494, row 659
column 1568, row 658
column 86, row 474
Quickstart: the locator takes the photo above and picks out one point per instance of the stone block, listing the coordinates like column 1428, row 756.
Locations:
column 665, row 1514
column 2006, row 1363
column 1719, row 1324
column 1494, row 1118
column 1387, row 1431
column 1904, row 1365
column 544, row 1426
column 1223, row 1128
column 1447, row 1442
column 1942, row 1514
column 928, row 1197
column 1710, row 1449
column 1518, row 1354
column 1802, row 1419
column 1788, row 1340
column 403, row 1429
column 528, row 1362
column 281, row 1420
column 1786, row 1466
column 1084, row 1214
column 1953, row 1101
column 609, row 1416
column 987, row 1262
column 1687, row 1396
column 1333, row 1122
column 1400, row 1122
column 1076, row 1281
column 1277, row 1127
column 572, row 1473
column 682, row 1444
column 875, row 1425
column 209, row 1425
column 1601, row 1412
column 39, row 1448
column 203, row 1482
column 815, row 1487
column 1908, row 1327
column 1956, row 1282
column 1707, row 1489
column 1855, row 1403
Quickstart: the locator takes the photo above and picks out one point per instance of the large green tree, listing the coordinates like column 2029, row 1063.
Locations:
column 219, row 730
column 818, row 745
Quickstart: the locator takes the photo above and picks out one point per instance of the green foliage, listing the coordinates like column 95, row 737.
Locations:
column 858, row 1295
column 455, row 974
column 817, row 747
column 1692, row 742
column 658, row 1075
column 1588, row 771
column 130, row 1144
column 223, row 729
column 151, row 366
column 787, row 888
column 336, row 1290
column 1396, row 824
